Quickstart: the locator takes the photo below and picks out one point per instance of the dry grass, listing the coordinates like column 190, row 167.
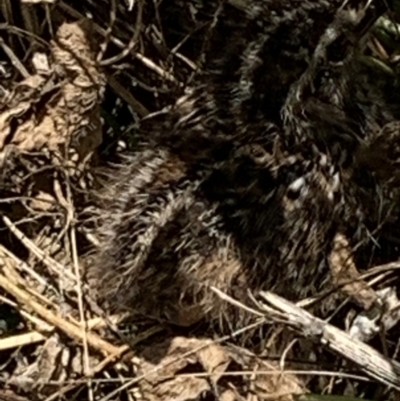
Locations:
column 73, row 94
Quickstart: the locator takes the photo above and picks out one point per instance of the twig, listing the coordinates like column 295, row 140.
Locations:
column 81, row 313
column 103, row 364
column 52, row 264
column 32, row 337
column 113, row 18
column 14, row 59
column 161, row 366
column 70, row 329
column 21, row 265
column 145, row 61
column 127, row 96
column 370, row 361
column 21, row 339
column 132, row 43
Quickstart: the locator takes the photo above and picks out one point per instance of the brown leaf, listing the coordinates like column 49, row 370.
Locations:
column 42, row 202
column 170, row 358
column 344, row 272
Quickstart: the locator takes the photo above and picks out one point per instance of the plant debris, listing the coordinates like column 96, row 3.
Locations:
column 79, row 83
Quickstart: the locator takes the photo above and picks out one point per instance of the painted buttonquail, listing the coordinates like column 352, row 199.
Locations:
column 248, row 180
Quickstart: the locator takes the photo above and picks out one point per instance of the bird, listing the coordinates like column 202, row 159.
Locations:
column 250, row 177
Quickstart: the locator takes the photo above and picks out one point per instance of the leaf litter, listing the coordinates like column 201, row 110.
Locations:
column 51, row 128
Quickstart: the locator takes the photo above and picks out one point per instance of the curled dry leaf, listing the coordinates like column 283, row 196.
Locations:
column 344, row 272
column 17, row 103
column 50, row 120
column 183, row 369
column 280, row 386
column 59, row 108
column 162, row 364
column 83, row 89
column 47, row 366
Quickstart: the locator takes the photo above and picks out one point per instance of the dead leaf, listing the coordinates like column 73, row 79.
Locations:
column 344, row 273
column 42, row 202
column 73, row 86
column 171, row 358
column 46, row 367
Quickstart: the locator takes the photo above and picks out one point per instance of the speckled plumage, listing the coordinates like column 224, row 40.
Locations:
column 249, row 178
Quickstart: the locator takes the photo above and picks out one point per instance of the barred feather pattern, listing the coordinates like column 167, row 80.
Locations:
column 247, row 181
